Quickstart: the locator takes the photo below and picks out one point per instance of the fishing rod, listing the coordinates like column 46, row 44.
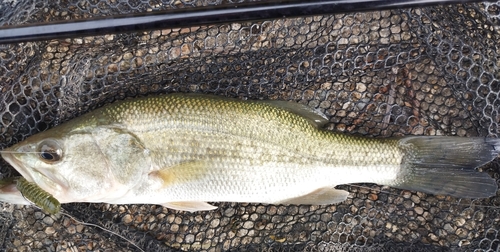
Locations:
column 199, row 16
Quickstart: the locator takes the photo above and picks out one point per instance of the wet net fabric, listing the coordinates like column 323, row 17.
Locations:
column 420, row 71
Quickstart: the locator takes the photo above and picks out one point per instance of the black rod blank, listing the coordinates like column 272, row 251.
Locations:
column 189, row 17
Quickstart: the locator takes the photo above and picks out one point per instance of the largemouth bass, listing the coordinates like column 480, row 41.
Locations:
column 182, row 151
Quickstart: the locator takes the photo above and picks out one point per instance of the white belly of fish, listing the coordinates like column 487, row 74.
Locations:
column 227, row 182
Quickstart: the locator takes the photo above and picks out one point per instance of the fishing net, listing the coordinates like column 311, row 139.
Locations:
column 415, row 71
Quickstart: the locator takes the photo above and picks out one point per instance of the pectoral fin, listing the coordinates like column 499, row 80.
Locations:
column 190, row 206
column 181, row 173
column 322, row 196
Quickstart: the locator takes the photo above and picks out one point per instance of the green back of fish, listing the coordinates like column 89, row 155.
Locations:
column 289, row 128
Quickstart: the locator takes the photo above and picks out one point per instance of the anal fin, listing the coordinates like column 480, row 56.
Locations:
column 190, row 206
column 322, row 196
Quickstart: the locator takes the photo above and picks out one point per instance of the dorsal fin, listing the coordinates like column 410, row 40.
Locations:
column 317, row 118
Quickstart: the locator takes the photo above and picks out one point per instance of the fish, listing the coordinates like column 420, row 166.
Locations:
column 182, row 151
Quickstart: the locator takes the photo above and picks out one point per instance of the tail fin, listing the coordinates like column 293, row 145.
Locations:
column 446, row 165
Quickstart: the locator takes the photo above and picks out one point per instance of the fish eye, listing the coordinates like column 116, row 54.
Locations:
column 48, row 156
column 50, row 151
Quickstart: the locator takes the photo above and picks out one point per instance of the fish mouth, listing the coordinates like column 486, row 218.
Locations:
column 33, row 175
column 12, row 160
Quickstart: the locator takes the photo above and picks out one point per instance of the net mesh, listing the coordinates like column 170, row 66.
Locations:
column 420, row 71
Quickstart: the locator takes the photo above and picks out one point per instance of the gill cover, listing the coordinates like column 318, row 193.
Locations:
column 100, row 164
column 125, row 155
